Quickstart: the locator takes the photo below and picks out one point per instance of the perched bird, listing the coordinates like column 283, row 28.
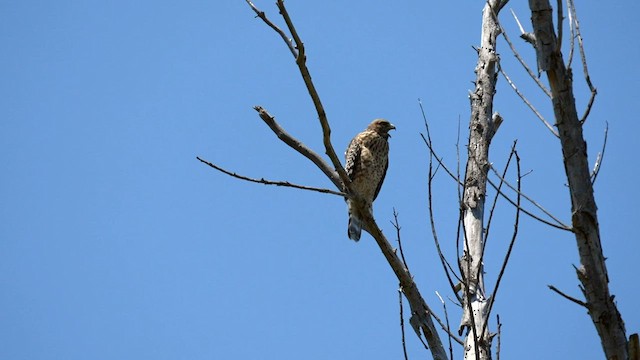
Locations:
column 367, row 160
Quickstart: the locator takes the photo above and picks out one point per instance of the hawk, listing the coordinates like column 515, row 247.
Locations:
column 367, row 160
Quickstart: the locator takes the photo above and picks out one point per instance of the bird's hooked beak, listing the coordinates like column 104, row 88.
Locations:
column 391, row 127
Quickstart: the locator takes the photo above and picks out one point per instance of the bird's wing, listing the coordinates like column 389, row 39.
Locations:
column 379, row 186
column 354, row 150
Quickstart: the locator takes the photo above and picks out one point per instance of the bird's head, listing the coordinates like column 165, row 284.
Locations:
column 382, row 127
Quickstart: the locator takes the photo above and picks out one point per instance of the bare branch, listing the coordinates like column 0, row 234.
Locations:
column 445, row 327
column 526, row 36
column 535, row 78
column 516, row 223
column 270, row 182
column 495, row 199
column 421, row 314
column 592, row 98
column 301, row 61
column 446, row 317
column 284, row 36
column 487, row 230
column 445, row 264
column 396, row 225
column 572, row 32
column 499, row 326
column 560, row 224
column 300, row 58
column 298, row 146
column 596, row 167
column 559, row 20
column 570, row 298
column 404, row 344
column 457, row 178
column 583, row 57
column 535, row 111
column 439, row 160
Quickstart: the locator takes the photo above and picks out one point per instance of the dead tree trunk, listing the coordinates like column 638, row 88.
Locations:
column 593, row 272
column 475, row 302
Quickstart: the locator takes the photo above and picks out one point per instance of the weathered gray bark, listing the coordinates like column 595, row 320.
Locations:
column 592, row 272
column 481, row 130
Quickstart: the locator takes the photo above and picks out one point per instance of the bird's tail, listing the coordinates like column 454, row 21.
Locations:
column 355, row 228
column 355, row 225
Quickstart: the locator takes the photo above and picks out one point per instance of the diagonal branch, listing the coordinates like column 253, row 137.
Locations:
column 298, row 51
column 576, row 24
column 520, row 59
column 521, row 95
column 298, row 146
column 448, row 269
column 270, row 182
column 572, row 33
column 446, row 316
column 560, row 225
column 598, row 164
column 516, row 223
column 301, row 61
column 282, row 34
column 421, row 313
column 570, row 298
column 404, row 343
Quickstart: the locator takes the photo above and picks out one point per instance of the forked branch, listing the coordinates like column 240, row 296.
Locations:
column 421, row 314
column 270, row 182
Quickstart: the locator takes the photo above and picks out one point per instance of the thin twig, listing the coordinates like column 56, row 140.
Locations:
column 396, row 225
column 560, row 225
column 515, row 52
column 404, row 344
column 598, row 164
column 282, row 34
column 499, row 326
column 421, row 313
column 298, row 52
column 301, row 61
column 270, row 182
column 446, row 316
column 530, row 214
column 572, row 33
column 570, row 298
column 495, row 202
column 495, row 199
column 526, row 36
column 443, row 326
column 516, row 223
column 583, row 57
column 592, row 98
column 439, row 160
column 298, row 146
column 445, row 264
column 526, row 101
column 457, row 178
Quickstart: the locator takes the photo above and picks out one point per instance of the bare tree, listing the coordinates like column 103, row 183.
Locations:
column 592, row 272
column 475, row 300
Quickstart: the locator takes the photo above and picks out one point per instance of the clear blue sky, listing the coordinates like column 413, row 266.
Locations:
column 116, row 243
